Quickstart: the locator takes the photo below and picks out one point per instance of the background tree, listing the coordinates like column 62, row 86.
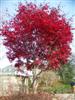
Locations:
column 66, row 73
column 39, row 37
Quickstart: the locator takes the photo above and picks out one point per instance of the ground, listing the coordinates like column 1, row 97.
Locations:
column 40, row 96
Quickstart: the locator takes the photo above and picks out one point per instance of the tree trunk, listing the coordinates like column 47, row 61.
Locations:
column 35, row 83
column 35, row 87
column 24, row 86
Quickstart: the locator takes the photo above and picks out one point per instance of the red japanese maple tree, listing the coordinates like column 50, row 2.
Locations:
column 40, row 35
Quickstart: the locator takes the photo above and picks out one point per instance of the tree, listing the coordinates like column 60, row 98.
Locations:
column 66, row 73
column 39, row 37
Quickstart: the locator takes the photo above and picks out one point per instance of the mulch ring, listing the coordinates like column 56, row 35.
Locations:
column 38, row 96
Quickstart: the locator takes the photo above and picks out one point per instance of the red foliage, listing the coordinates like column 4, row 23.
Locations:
column 38, row 33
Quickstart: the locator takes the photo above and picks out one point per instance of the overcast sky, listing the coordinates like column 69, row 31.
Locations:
column 68, row 6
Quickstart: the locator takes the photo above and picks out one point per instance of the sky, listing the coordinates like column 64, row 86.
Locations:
column 67, row 6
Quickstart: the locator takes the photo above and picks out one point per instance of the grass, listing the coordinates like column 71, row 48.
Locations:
column 57, row 88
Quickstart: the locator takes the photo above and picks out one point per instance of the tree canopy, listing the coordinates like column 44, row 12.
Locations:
column 38, row 34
